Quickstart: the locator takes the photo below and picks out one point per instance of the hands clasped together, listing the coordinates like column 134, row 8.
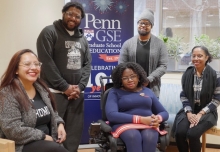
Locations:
column 194, row 119
column 73, row 92
column 152, row 121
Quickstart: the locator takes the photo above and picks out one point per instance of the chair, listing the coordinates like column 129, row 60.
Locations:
column 7, row 145
column 213, row 131
column 100, row 132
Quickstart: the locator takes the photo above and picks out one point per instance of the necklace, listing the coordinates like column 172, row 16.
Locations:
column 32, row 100
column 141, row 42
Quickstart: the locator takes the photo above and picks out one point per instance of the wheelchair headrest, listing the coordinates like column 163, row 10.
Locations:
column 108, row 86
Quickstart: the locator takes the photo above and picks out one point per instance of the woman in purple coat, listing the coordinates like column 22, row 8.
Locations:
column 133, row 110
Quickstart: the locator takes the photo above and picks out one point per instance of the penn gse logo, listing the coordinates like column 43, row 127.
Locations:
column 89, row 34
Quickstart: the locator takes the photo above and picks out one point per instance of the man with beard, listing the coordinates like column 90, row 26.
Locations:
column 147, row 50
column 66, row 68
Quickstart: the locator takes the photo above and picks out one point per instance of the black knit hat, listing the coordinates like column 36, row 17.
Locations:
column 74, row 4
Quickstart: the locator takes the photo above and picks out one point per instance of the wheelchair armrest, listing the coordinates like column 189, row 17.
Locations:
column 164, row 125
column 104, row 127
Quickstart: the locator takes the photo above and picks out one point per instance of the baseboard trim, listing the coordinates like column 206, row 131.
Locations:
column 215, row 146
column 88, row 146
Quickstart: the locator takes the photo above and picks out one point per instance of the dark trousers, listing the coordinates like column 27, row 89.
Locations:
column 140, row 140
column 189, row 138
column 43, row 146
column 72, row 112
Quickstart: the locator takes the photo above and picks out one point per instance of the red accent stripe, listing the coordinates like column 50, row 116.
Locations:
column 136, row 119
column 125, row 127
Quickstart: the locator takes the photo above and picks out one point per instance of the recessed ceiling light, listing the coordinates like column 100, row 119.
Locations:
column 170, row 17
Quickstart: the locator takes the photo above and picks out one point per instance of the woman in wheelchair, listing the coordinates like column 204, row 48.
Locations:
column 134, row 112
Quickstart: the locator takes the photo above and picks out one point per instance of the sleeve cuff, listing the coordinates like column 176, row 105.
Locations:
column 60, row 122
column 206, row 109
column 81, row 87
column 187, row 108
column 136, row 119
column 43, row 136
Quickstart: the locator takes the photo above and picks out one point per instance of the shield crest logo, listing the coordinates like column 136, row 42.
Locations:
column 89, row 34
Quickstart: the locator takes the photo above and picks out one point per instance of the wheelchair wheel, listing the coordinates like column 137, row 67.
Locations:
column 163, row 143
column 167, row 139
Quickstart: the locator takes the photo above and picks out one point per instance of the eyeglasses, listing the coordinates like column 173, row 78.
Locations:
column 132, row 77
column 147, row 24
column 29, row 64
column 72, row 15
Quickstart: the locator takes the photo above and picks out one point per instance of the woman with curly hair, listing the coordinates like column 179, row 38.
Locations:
column 133, row 110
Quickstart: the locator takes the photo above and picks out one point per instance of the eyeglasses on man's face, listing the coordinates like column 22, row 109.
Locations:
column 73, row 15
column 142, row 23
column 131, row 77
column 30, row 64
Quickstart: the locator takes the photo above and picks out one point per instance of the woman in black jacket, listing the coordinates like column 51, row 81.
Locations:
column 200, row 98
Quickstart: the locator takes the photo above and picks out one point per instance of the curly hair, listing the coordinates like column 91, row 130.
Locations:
column 119, row 69
column 74, row 4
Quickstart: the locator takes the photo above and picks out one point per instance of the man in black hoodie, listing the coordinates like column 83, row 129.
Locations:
column 66, row 68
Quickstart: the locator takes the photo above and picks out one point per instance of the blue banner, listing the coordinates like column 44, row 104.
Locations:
column 107, row 24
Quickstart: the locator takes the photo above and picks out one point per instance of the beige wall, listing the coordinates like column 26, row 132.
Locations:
column 21, row 23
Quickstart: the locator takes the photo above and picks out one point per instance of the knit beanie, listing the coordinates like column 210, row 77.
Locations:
column 147, row 15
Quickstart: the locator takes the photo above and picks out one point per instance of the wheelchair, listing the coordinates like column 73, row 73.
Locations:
column 100, row 131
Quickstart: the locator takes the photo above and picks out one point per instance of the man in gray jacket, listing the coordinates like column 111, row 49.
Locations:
column 66, row 68
column 147, row 50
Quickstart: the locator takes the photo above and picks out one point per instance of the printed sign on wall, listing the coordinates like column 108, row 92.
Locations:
column 107, row 24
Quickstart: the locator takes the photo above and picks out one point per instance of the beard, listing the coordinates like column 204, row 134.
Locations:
column 65, row 24
column 143, row 33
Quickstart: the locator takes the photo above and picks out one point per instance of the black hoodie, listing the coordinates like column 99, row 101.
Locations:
column 60, row 67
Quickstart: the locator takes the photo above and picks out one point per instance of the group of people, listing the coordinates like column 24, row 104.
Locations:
column 42, row 100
